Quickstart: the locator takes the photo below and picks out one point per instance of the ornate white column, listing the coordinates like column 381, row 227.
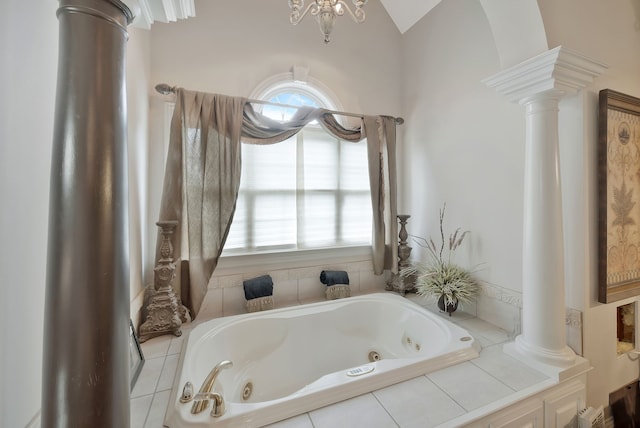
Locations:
column 538, row 84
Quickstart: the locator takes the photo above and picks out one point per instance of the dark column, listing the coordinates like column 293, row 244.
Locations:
column 86, row 358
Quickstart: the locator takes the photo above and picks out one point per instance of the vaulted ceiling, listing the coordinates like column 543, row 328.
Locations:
column 404, row 13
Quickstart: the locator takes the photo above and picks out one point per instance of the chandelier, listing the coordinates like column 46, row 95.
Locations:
column 325, row 12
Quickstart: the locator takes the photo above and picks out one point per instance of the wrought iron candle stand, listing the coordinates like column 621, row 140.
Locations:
column 400, row 283
column 163, row 314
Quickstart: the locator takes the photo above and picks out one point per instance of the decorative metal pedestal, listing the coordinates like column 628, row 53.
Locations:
column 399, row 283
column 163, row 311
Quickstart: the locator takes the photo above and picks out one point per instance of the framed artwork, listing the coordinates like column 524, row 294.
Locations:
column 136, row 358
column 618, row 196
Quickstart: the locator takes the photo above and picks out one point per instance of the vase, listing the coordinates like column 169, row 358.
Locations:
column 450, row 308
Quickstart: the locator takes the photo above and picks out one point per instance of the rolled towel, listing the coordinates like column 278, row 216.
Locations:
column 261, row 286
column 333, row 277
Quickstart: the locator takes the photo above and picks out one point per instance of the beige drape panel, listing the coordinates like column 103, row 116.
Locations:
column 202, row 177
column 204, row 160
column 381, row 149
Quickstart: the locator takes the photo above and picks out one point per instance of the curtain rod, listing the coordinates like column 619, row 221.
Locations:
column 165, row 89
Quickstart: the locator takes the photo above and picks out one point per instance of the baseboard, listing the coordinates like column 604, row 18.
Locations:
column 135, row 306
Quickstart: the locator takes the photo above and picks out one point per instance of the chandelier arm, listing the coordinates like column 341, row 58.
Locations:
column 358, row 15
column 339, row 11
column 296, row 16
column 315, row 10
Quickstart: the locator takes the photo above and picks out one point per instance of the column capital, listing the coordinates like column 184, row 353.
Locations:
column 113, row 11
column 560, row 71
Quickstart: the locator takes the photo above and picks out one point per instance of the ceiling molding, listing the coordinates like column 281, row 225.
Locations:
column 169, row 8
column 149, row 11
column 403, row 13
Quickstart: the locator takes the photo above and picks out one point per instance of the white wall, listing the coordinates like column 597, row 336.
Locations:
column 29, row 50
column 227, row 50
column 463, row 146
column 29, row 46
column 138, row 71
column 607, row 32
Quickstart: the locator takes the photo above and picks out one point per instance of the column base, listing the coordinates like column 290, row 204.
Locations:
column 559, row 365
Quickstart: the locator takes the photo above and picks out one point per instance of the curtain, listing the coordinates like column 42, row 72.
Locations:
column 259, row 129
column 381, row 149
column 202, row 177
column 203, row 167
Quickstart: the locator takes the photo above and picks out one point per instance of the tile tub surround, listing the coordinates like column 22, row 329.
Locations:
column 425, row 401
column 292, row 286
column 499, row 306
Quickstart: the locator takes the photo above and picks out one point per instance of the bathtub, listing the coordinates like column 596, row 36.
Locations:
column 292, row 360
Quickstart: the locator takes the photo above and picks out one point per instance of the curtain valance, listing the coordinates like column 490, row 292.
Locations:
column 259, row 129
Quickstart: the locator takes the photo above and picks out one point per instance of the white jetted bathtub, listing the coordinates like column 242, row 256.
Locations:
column 292, row 360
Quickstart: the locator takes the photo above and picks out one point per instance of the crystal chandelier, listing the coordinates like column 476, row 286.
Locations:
column 325, row 12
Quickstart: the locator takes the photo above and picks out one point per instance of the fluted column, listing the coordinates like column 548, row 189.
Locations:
column 86, row 356
column 538, row 84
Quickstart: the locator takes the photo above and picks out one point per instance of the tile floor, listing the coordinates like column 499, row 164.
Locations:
column 425, row 401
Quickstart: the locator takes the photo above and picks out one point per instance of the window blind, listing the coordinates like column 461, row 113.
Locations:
column 311, row 191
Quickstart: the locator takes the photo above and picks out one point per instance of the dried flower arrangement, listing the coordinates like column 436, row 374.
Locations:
column 440, row 278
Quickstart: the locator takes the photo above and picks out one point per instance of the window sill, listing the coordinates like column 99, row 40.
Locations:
column 230, row 265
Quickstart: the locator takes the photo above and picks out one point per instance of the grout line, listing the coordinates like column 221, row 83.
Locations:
column 164, row 364
column 146, row 416
column 154, row 392
column 447, row 394
column 141, row 396
column 144, row 422
column 499, row 380
column 310, row 419
column 164, row 412
column 385, row 409
column 173, row 375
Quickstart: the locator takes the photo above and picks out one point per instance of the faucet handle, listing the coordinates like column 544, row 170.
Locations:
column 187, row 393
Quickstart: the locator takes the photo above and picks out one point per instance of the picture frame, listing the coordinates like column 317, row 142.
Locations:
column 618, row 196
column 136, row 357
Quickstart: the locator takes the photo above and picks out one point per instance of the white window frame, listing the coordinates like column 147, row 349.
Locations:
column 299, row 81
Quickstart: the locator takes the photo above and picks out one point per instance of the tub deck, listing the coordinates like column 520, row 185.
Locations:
column 442, row 398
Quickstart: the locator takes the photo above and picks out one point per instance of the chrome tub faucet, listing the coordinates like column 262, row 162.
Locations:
column 202, row 398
